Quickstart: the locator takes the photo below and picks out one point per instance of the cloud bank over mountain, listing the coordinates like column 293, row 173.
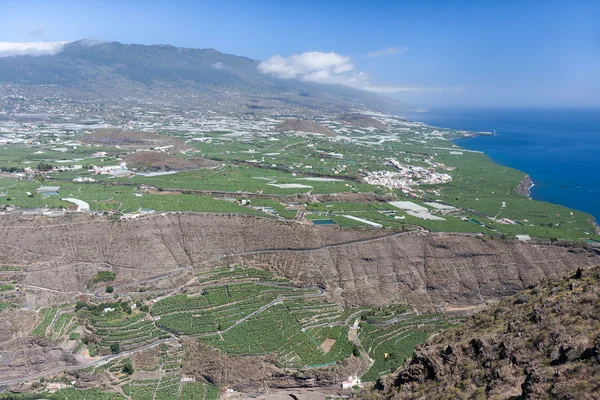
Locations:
column 10, row 49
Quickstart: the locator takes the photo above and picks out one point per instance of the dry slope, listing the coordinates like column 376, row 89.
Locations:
column 370, row 267
column 543, row 343
column 303, row 125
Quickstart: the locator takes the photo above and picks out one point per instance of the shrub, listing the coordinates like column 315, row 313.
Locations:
column 115, row 348
column 128, row 367
column 105, row 276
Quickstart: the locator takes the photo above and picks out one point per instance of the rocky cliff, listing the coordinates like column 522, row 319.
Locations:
column 357, row 267
column 525, row 186
column 542, row 343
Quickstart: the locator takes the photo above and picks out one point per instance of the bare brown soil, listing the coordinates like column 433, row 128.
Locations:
column 134, row 140
column 304, row 125
column 153, row 160
column 327, row 345
column 361, row 121
column 357, row 267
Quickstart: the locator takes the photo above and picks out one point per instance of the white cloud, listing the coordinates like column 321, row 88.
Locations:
column 312, row 66
column 218, row 65
column 8, row 49
column 328, row 68
column 391, row 51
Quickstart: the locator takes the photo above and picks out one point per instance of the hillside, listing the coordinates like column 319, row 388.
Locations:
column 172, row 75
column 542, row 343
column 308, row 276
column 152, row 160
column 302, row 125
column 360, row 267
column 361, row 121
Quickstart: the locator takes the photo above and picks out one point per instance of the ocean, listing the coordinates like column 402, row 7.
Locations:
column 559, row 149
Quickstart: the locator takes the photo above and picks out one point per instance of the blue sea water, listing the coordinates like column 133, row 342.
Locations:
column 559, row 149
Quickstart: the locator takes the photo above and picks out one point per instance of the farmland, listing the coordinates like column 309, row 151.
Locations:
column 268, row 317
column 194, row 292
column 274, row 164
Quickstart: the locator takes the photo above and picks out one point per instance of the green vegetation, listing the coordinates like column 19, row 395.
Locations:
column 260, row 316
column 390, row 338
column 118, row 327
column 3, row 269
column 6, row 287
column 198, row 391
column 237, row 273
column 58, row 328
column 537, row 325
column 275, row 205
column 65, row 394
column 48, row 316
column 105, row 276
column 480, row 189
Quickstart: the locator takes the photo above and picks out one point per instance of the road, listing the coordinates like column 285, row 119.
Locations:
column 111, row 357
column 90, row 363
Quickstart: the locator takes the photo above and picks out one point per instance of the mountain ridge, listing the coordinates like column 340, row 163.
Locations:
column 97, row 69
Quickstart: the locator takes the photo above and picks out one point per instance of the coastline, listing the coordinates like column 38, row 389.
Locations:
column 525, row 186
column 557, row 148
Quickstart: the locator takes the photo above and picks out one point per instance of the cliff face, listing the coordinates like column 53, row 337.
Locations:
column 428, row 271
column 543, row 343
column 525, row 186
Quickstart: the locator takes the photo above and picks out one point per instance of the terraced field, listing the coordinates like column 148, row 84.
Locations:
column 245, row 311
column 128, row 332
column 390, row 341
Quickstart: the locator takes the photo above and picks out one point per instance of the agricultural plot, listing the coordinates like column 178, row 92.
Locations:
column 333, row 340
column 198, row 391
column 275, row 205
column 128, row 333
column 242, row 179
column 273, row 331
column 246, row 318
column 103, row 197
column 48, row 315
column 141, row 390
column 59, row 328
column 257, row 317
column 389, row 340
column 287, row 164
column 219, row 307
column 237, row 273
column 87, row 394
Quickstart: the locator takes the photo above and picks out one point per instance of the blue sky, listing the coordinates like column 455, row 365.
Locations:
column 436, row 53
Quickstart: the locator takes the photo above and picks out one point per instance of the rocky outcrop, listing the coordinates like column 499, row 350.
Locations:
column 525, row 186
column 542, row 343
column 357, row 267
column 254, row 374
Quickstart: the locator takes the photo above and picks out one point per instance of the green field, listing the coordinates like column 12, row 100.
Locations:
column 480, row 188
column 48, row 315
column 390, row 345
